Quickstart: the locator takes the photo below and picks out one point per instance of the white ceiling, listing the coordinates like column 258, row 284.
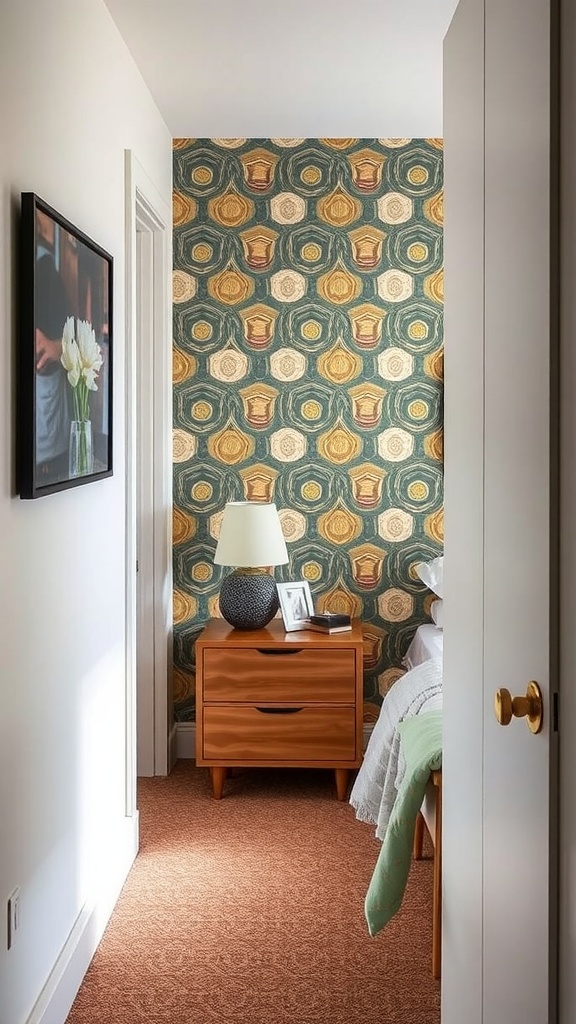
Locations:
column 296, row 68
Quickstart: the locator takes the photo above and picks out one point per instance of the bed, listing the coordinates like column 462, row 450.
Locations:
column 428, row 642
column 399, row 785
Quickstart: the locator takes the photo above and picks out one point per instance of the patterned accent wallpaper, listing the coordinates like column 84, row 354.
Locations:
column 308, row 291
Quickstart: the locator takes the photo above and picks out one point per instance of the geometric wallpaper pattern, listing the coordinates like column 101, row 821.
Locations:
column 308, row 312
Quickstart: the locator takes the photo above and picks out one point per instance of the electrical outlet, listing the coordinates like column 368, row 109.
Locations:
column 13, row 917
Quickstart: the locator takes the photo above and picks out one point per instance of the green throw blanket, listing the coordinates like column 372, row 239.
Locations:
column 421, row 742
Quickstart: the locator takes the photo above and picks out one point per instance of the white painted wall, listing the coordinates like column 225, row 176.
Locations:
column 72, row 102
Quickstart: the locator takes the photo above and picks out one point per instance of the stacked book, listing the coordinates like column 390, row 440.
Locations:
column 329, row 622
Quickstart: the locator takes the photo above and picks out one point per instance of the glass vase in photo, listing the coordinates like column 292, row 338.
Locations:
column 81, row 458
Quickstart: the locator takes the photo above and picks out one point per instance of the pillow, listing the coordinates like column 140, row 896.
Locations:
column 437, row 613
column 431, row 573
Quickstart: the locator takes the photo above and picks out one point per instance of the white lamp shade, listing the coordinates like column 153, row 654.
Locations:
column 251, row 535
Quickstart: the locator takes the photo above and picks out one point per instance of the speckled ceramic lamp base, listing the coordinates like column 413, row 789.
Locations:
column 248, row 599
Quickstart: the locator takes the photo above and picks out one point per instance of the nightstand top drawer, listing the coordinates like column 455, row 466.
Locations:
column 271, row 674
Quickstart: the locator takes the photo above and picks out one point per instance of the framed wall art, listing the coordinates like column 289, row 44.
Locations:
column 296, row 604
column 64, row 427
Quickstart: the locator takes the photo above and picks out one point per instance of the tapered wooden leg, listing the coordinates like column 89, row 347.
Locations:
column 341, row 775
column 418, row 837
column 218, row 776
column 437, row 899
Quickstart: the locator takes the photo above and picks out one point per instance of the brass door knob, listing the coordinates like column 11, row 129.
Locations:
column 507, row 707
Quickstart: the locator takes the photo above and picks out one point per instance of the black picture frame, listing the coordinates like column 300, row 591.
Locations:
column 64, row 361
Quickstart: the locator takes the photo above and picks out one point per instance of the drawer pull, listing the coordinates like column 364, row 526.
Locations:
column 279, row 711
column 279, row 650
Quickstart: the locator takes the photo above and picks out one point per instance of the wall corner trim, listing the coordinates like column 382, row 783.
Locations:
column 173, row 740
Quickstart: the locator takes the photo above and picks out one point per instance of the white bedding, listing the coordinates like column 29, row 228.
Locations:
column 381, row 772
column 428, row 642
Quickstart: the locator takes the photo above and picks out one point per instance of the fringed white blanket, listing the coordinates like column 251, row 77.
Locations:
column 382, row 770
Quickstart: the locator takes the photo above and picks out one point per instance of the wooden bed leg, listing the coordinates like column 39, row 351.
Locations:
column 418, row 837
column 437, row 901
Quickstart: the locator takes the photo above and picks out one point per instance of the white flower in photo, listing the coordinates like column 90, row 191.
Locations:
column 70, row 357
column 82, row 359
column 90, row 353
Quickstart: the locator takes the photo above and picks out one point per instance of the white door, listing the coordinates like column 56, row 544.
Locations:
column 500, row 589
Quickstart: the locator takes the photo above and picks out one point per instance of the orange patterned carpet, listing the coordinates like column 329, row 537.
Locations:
column 250, row 911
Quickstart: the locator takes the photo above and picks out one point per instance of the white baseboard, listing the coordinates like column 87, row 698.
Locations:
column 186, row 740
column 53, row 1004
column 184, row 745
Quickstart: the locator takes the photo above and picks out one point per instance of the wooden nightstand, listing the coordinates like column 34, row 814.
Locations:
column 269, row 698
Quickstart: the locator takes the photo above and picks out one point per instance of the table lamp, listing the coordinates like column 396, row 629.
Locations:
column 250, row 538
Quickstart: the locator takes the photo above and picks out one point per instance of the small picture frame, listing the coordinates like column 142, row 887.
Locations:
column 296, row 604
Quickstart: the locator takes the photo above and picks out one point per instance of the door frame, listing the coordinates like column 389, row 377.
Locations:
column 567, row 546
column 147, row 212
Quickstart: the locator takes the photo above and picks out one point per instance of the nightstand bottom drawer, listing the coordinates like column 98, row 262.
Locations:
column 248, row 733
